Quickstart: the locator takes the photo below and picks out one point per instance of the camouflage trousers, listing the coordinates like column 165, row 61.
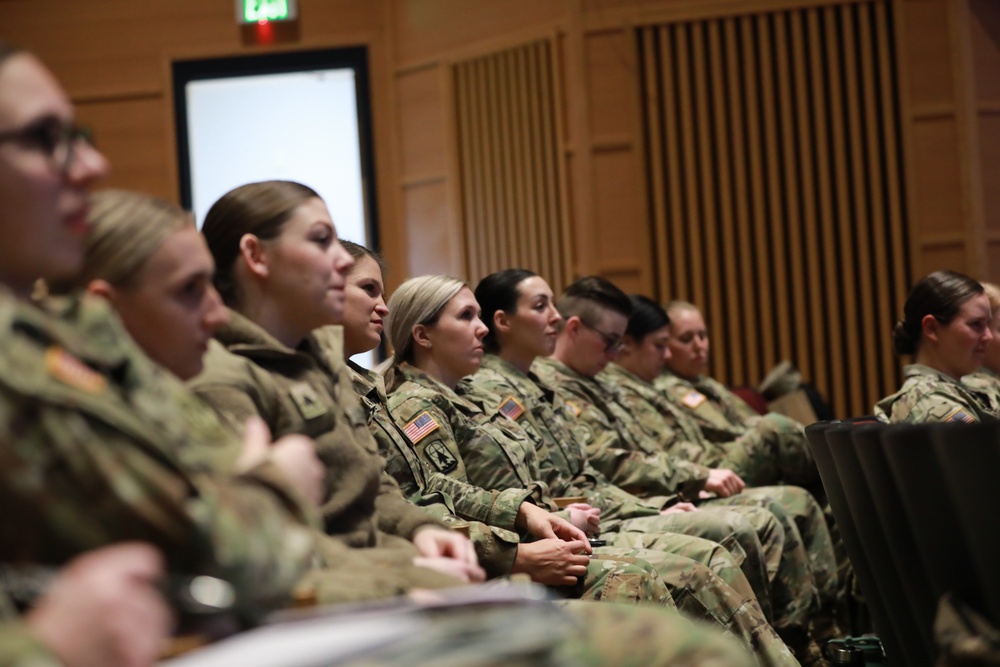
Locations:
column 701, row 594
column 752, row 536
column 621, row 578
column 772, row 450
column 809, row 545
column 640, row 637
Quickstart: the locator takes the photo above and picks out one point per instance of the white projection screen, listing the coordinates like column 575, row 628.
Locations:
column 302, row 116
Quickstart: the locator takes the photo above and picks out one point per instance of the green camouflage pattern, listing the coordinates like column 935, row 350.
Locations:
column 928, row 396
column 616, row 444
column 985, row 381
column 97, row 441
column 503, row 456
column 762, row 450
column 808, row 577
column 252, row 374
column 490, row 514
column 634, row 522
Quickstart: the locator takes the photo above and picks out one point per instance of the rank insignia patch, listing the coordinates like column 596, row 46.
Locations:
column 306, row 401
column 421, row 427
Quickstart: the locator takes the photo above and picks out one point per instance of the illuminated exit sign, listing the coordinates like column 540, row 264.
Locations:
column 261, row 11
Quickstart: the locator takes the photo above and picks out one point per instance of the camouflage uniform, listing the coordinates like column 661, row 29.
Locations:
column 96, row 440
column 763, row 449
column 986, row 381
column 363, row 507
column 928, row 395
column 630, row 520
column 616, row 426
column 449, row 432
column 800, row 514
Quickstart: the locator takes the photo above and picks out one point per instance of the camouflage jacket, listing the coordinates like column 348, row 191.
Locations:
column 251, row 373
column 720, row 414
column 617, row 445
column 558, row 439
column 100, row 445
column 456, row 437
column 19, row 648
column 659, row 417
column 986, row 381
column 927, row 395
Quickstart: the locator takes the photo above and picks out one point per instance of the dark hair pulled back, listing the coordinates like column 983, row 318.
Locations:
column 647, row 317
column 498, row 291
column 940, row 294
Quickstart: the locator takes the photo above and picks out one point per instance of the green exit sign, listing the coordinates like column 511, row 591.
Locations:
column 257, row 11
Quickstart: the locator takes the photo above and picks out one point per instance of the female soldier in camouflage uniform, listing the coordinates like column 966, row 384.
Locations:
column 987, row 378
column 946, row 327
column 771, row 448
column 434, row 326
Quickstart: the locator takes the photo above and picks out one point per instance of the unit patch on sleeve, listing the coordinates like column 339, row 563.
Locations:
column 693, row 399
column 65, row 367
column 439, row 455
column 422, row 426
column 511, row 409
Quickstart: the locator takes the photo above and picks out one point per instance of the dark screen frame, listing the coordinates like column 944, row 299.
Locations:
column 355, row 57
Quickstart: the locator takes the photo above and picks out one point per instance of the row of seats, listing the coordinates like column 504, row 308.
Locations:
column 917, row 509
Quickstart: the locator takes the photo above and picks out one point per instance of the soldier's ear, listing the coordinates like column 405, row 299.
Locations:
column 571, row 326
column 930, row 328
column 420, row 336
column 103, row 289
column 500, row 321
column 254, row 255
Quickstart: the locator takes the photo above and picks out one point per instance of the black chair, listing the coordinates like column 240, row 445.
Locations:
column 969, row 456
column 816, row 435
column 902, row 543
column 899, row 630
column 931, row 513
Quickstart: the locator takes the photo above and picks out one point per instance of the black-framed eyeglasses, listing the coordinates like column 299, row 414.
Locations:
column 612, row 343
column 52, row 137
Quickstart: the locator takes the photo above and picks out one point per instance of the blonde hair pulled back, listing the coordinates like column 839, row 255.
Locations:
column 417, row 301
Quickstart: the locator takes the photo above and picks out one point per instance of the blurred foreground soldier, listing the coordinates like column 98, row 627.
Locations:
column 89, row 430
column 103, row 610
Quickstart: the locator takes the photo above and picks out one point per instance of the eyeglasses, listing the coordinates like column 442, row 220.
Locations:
column 52, row 137
column 612, row 343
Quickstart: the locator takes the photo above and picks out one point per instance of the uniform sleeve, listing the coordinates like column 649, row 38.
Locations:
column 396, row 515
column 78, row 483
column 941, row 407
column 20, row 648
column 641, row 473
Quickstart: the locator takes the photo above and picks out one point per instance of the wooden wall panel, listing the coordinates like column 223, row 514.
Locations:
column 422, row 128
column 774, row 136
column 936, row 177
column 511, row 175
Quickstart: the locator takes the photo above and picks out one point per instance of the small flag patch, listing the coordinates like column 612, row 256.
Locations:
column 693, row 399
column 574, row 408
column 511, row 409
column 67, row 368
column 421, row 427
column 960, row 415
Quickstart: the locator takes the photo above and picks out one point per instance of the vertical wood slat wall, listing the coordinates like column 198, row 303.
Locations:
column 507, row 106
column 774, row 172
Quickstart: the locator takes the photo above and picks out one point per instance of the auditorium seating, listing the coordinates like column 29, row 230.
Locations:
column 916, row 506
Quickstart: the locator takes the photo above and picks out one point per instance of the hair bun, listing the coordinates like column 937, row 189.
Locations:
column 902, row 341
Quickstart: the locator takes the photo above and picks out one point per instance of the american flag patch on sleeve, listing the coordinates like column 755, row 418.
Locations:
column 421, row 427
column 960, row 415
column 511, row 409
